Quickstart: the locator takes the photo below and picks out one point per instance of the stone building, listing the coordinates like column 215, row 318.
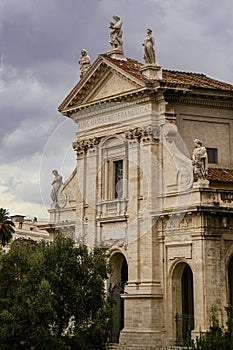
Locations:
column 30, row 229
column 165, row 221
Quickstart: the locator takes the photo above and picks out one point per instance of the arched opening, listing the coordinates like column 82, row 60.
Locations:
column 230, row 280
column 118, row 280
column 184, row 304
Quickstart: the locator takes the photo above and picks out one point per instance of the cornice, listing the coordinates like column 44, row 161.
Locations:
column 203, row 101
column 99, row 108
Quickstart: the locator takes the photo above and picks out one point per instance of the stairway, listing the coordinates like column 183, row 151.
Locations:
column 113, row 346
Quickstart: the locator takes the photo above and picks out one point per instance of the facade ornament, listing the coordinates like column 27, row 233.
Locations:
column 91, row 143
column 135, row 133
column 149, row 50
column 144, row 134
column 85, row 62
column 82, row 146
column 56, row 183
column 116, row 39
column 199, row 161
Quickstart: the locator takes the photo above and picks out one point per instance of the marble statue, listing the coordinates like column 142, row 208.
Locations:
column 56, row 183
column 149, row 51
column 116, row 33
column 199, row 161
column 85, row 62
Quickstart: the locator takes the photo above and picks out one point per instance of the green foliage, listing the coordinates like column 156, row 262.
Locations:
column 52, row 297
column 6, row 227
column 218, row 337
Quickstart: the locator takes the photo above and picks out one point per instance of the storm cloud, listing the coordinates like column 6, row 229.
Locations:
column 40, row 44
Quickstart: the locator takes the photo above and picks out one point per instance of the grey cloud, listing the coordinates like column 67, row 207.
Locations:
column 40, row 46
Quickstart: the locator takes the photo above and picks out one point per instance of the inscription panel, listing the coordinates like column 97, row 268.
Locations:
column 114, row 117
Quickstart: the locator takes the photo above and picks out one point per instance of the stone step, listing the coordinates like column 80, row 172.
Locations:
column 114, row 346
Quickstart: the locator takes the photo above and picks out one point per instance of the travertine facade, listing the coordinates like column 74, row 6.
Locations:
column 170, row 239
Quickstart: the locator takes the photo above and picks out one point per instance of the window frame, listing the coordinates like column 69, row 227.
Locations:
column 212, row 155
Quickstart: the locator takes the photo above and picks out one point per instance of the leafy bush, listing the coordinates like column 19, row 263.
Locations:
column 218, row 337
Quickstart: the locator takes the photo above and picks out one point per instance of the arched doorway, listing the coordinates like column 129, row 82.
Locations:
column 118, row 280
column 184, row 305
column 230, row 280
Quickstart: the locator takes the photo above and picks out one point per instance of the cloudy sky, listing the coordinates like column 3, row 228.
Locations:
column 40, row 43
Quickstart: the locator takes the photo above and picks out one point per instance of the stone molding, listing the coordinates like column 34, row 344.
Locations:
column 135, row 97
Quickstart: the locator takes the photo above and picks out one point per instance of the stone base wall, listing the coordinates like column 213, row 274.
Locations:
column 136, row 347
column 140, row 340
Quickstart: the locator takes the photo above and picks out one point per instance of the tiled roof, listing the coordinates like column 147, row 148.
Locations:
column 220, row 175
column 130, row 66
column 194, row 80
column 172, row 77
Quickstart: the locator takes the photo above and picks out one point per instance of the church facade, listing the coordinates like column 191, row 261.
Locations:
column 165, row 219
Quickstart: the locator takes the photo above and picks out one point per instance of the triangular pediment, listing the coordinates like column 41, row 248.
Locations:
column 113, row 84
column 103, row 81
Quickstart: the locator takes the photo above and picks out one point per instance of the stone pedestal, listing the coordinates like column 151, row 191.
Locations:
column 152, row 71
column 117, row 53
column 201, row 183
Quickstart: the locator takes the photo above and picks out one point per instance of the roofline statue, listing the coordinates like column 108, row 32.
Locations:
column 116, row 39
column 151, row 69
column 85, row 62
column 149, row 50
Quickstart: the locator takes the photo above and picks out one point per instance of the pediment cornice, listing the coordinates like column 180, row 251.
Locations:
column 95, row 86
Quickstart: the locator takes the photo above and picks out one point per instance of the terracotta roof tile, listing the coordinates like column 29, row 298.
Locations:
column 172, row 77
column 194, row 80
column 130, row 66
column 220, row 175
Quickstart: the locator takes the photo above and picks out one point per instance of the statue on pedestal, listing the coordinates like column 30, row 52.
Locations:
column 56, row 183
column 149, row 51
column 116, row 33
column 199, row 161
column 85, row 62
column 151, row 69
column 116, row 39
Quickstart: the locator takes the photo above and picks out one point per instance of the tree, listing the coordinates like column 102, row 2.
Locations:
column 6, row 227
column 52, row 297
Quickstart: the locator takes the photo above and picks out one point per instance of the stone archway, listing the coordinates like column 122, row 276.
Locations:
column 183, row 302
column 118, row 280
